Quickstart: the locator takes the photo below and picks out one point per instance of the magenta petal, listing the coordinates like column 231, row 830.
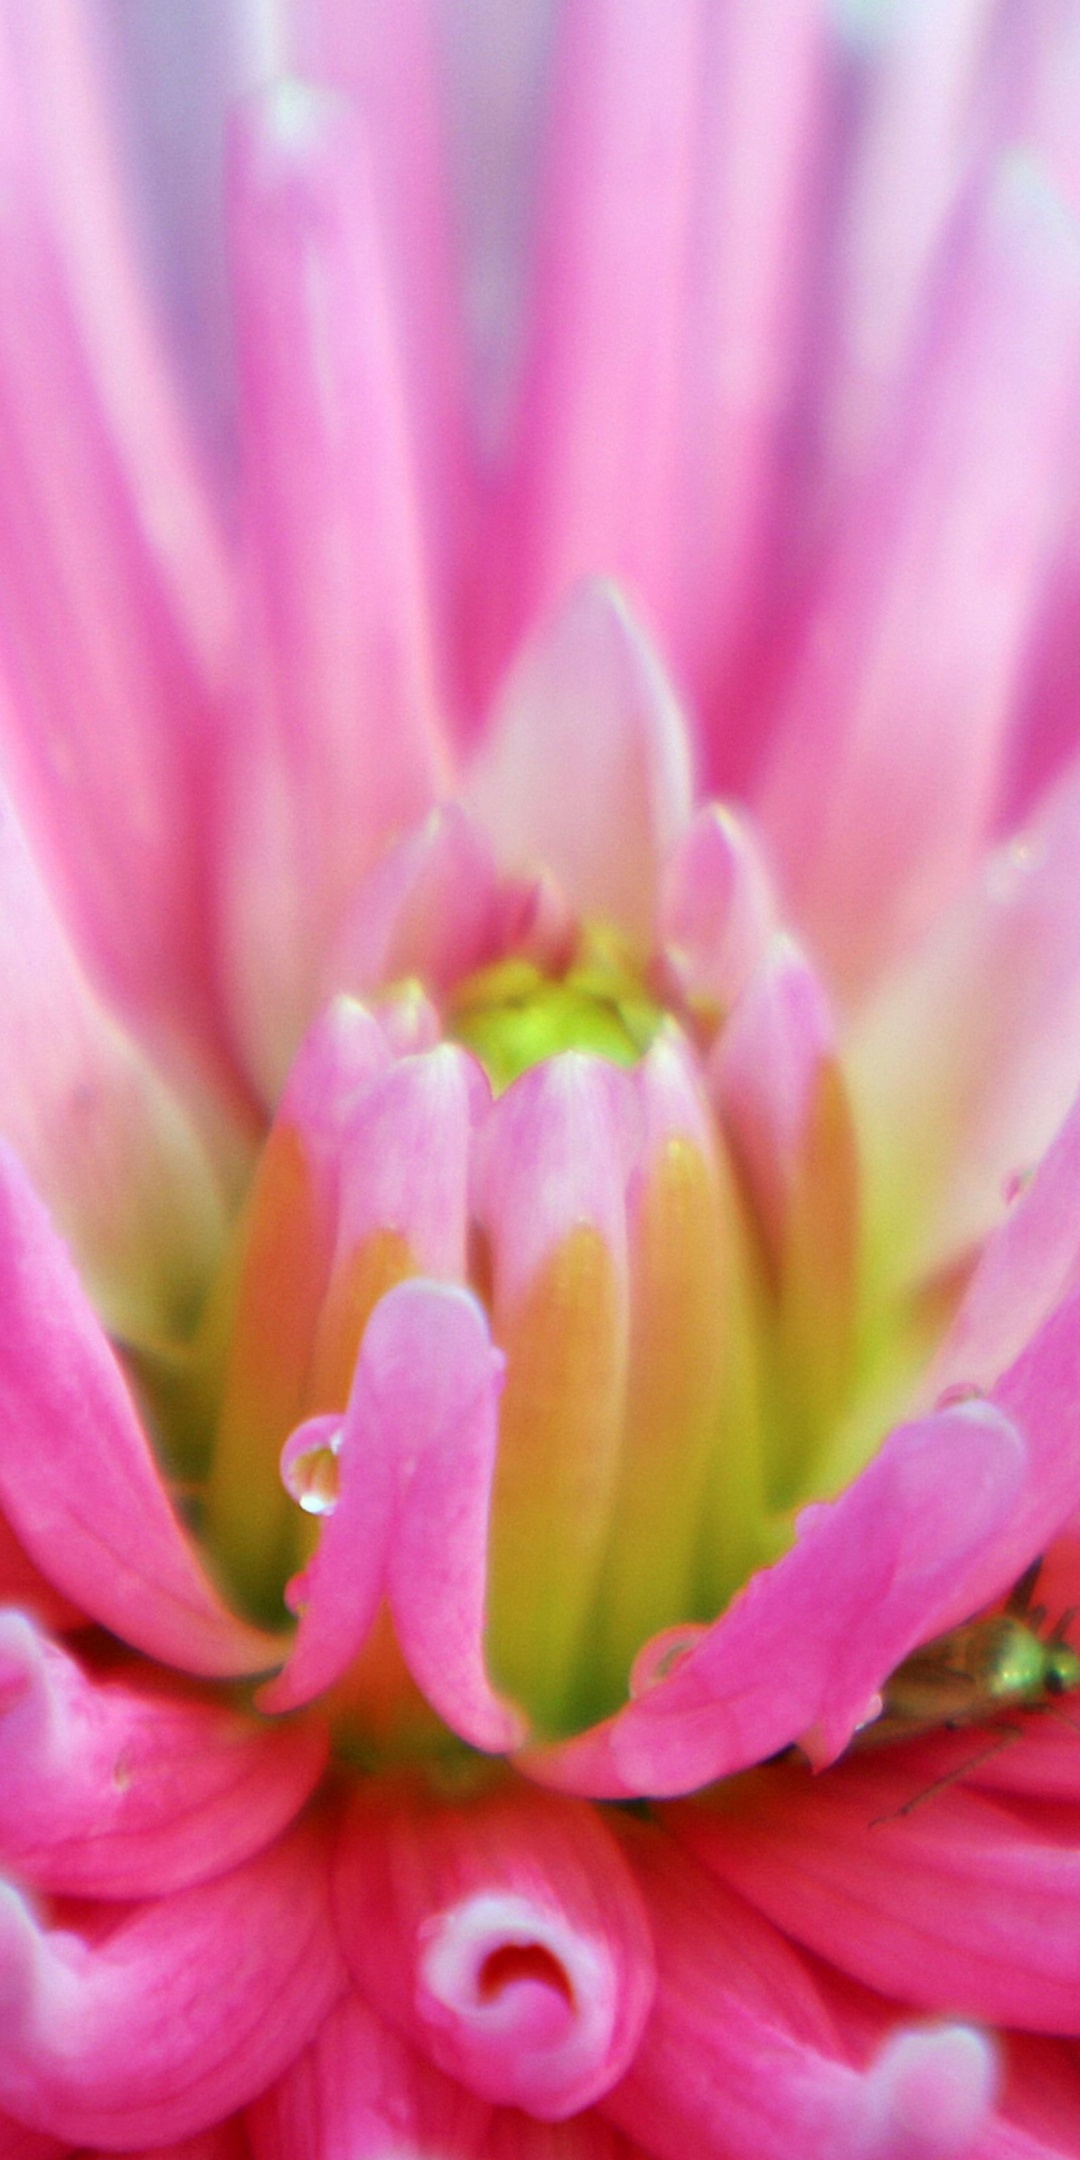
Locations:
column 967, row 1899
column 741, row 2056
column 446, row 1411
column 600, row 807
column 359, row 2092
column 77, row 1478
column 226, row 2141
column 120, row 1792
column 804, row 1647
column 190, row 2007
column 504, row 1937
column 18, row 2143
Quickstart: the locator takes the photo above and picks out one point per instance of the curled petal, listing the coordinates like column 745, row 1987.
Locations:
column 802, row 1650
column 504, row 1937
column 180, row 2015
column 121, row 1792
column 77, row 1478
column 446, row 1416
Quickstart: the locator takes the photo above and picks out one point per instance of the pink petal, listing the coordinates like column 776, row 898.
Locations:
column 600, row 806
column 77, row 1479
column 180, row 2015
column 740, row 2056
column 426, row 909
column 716, row 908
column 964, row 1900
column 359, row 2092
column 888, row 761
column 341, row 747
column 448, row 1382
column 804, row 1647
column 107, row 1144
column 504, row 1937
column 124, row 1792
column 602, row 388
column 973, row 1054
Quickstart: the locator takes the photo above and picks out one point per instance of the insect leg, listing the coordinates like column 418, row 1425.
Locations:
column 1003, row 1738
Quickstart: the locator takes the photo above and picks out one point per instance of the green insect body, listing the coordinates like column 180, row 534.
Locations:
column 973, row 1674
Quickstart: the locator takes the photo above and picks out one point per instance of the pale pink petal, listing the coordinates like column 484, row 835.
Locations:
column 405, row 1160
column 764, row 80
column 385, row 55
column 973, row 1054
column 340, row 748
column 554, row 1152
column 740, row 2056
column 717, row 911
column 1027, row 1267
column 120, row 1791
column 428, row 909
column 102, row 737
column 586, row 770
column 963, row 1900
column 506, row 1938
column 600, row 408
column 180, row 2015
column 109, row 1147
column 887, row 763
column 447, row 1413
column 804, row 1647
column 78, row 1481
column 359, row 2092
column 918, row 131
column 763, row 1072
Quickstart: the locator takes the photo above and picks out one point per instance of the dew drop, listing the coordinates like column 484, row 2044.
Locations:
column 309, row 1465
column 960, row 1391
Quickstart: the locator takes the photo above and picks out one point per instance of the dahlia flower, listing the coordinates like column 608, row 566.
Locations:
column 540, row 1183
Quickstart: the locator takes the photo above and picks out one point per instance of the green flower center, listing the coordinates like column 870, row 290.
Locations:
column 512, row 1015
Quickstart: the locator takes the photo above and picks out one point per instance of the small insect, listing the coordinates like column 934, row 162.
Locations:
column 976, row 1674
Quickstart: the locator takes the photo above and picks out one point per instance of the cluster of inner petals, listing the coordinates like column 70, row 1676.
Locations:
column 530, row 1245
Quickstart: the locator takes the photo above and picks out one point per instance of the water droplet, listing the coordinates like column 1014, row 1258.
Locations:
column 959, row 1391
column 658, row 1659
column 309, row 1465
